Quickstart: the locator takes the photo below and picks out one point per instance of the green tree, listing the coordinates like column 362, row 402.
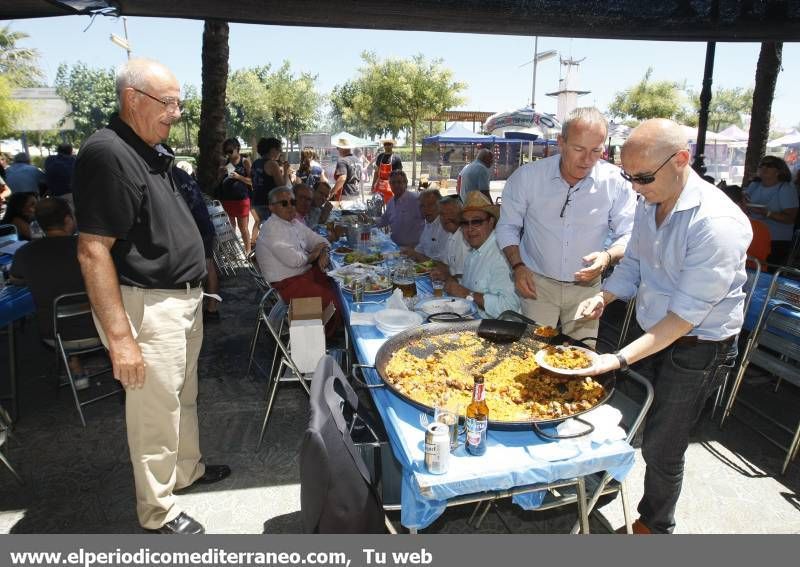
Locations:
column 400, row 94
column 266, row 102
column 184, row 134
column 18, row 64
column 726, row 108
column 92, row 95
column 648, row 99
column 357, row 121
column 11, row 111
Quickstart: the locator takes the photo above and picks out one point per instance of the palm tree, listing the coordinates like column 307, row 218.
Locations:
column 767, row 69
column 212, row 109
column 18, row 64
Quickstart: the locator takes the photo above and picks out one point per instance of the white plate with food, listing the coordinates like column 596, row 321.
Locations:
column 570, row 360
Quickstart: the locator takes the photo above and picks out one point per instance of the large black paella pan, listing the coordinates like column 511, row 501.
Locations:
column 423, row 364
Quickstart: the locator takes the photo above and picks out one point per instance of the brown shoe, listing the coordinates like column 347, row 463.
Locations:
column 638, row 529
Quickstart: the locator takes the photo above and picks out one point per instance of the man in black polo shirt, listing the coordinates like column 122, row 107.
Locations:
column 142, row 260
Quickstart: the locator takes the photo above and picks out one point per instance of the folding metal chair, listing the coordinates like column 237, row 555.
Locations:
column 5, row 434
column 268, row 300
column 287, row 370
column 774, row 346
column 749, row 287
column 66, row 307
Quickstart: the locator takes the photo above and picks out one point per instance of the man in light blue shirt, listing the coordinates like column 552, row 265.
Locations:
column 685, row 264
column 487, row 275
column 564, row 220
column 476, row 175
column 22, row 177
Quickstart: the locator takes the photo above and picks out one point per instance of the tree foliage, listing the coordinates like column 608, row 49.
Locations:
column 396, row 94
column 11, row 111
column 19, row 65
column 184, row 134
column 649, row 99
column 264, row 102
column 92, row 95
column 726, row 108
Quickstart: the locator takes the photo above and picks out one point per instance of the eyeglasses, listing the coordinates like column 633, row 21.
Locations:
column 170, row 103
column 645, row 178
column 473, row 222
column 285, row 203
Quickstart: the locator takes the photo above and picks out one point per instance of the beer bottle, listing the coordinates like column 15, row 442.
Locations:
column 477, row 419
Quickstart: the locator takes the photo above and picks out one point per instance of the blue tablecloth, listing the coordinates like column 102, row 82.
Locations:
column 760, row 294
column 508, row 462
column 15, row 303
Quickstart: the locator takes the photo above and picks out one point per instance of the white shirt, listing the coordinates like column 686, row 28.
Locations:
column 600, row 209
column 283, row 247
column 457, row 250
column 433, row 240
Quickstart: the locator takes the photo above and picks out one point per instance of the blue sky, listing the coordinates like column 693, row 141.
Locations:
column 489, row 65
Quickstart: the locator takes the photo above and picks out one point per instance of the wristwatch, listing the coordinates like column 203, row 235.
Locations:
column 623, row 364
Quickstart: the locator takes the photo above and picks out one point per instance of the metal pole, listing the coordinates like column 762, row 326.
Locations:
column 535, row 64
column 705, row 101
column 125, row 27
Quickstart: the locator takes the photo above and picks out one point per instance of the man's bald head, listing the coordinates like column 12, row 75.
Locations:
column 486, row 157
column 656, row 138
column 149, row 99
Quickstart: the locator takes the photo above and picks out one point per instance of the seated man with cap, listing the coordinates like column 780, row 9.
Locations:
column 433, row 240
column 292, row 256
column 487, row 274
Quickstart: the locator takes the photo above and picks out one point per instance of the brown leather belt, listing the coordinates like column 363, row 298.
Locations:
column 688, row 340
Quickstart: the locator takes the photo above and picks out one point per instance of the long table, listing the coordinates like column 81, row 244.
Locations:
column 511, row 460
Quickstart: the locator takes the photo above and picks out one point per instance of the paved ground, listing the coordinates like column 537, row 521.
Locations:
column 79, row 480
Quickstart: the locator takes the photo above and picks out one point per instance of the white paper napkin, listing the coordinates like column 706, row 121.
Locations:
column 367, row 319
column 396, row 301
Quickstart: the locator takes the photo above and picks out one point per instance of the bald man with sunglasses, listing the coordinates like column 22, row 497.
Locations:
column 685, row 265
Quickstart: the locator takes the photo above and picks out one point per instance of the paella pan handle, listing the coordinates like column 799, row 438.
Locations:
column 541, row 433
column 445, row 317
column 361, row 382
column 514, row 315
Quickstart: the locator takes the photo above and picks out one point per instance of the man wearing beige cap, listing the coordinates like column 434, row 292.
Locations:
column 487, row 275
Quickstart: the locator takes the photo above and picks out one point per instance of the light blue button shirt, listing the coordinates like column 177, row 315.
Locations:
column 600, row 210
column 486, row 271
column 692, row 265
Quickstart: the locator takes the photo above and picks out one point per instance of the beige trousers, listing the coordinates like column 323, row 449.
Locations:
column 557, row 301
column 161, row 417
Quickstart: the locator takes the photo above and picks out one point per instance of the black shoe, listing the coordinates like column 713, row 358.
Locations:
column 214, row 473
column 183, row 524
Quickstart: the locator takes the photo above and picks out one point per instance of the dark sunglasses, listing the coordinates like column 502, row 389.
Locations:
column 285, row 203
column 645, row 178
column 473, row 222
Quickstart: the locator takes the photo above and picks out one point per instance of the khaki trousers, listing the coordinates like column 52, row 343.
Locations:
column 161, row 417
column 558, row 301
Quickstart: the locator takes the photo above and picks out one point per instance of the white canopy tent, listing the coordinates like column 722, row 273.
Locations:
column 792, row 137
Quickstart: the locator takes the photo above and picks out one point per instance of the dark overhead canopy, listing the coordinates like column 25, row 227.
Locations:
column 684, row 20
